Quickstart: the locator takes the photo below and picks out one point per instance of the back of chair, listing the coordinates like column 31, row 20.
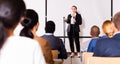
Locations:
column 103, row 60
column 55, row 54
column 55, row 57
column 86, row 55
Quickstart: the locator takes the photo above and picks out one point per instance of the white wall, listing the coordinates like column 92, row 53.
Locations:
column 93, row 12
column 39, row 7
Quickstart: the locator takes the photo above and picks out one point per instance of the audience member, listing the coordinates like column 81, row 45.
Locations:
column 55, row 43
column 95, row 31
column 110, row 47
column 31, row 24
column 16, row 49
column 108, row 28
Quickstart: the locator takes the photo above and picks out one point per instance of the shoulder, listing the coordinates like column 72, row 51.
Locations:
column 59, row 40
column 22, row 41
column 78, row 14
column 105, row 41
column 45, row 36
column 69, row 15
column 42, row 40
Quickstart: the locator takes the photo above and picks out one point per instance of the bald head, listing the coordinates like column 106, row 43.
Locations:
column 95, row 31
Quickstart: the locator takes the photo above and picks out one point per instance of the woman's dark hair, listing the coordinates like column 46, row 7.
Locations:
column 74, row 6
column 11, row 12
column 30, row 21
column 50, row 27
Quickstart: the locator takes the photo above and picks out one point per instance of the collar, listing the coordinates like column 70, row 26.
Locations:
column 49, row 34
column 116, row 33
column 73, row 15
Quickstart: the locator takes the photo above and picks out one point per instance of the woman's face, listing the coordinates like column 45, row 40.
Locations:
column 74, row 10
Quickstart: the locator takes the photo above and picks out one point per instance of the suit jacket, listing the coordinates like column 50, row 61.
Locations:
column 45, row 46
column 108, row 47
column 56, row 44
column 78, row 22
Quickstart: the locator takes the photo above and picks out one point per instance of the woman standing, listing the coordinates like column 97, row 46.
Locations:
column 74, row 20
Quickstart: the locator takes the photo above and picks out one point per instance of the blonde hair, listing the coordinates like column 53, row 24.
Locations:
column 108, row 28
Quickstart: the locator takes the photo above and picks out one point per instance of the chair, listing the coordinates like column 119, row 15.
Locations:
column 85, row 56
column 55, row 54
column 103, row 60
column 55, row 57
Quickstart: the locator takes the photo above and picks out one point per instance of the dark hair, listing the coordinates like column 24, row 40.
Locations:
column 74, row 6
column 3, row 34
column 116, row 20
column 30, row 21
column 95, row 31
column 50, row 27
column 11, row 12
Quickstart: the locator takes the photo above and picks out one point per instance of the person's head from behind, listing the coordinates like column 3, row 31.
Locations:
column 95, row 31
column 116, row 21
column 50, row 27
column 11, row 13
column 30, row 23
column 108, row 28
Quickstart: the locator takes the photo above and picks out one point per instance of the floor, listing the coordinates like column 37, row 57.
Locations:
column 73, row 60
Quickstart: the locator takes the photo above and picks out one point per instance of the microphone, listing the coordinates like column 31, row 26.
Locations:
column 74, row 17
column 64, row 19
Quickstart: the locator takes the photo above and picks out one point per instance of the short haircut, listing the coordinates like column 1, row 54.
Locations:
column 50, row 27
column 116, row 20
column 74, row 6
column 107, row 27
column 95, row 31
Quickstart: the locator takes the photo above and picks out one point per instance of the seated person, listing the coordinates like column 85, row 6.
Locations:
column 108, row 28
column 110, row 47
column 30, row 26
column 16, row 49
column 55, row 43
column 95, row 31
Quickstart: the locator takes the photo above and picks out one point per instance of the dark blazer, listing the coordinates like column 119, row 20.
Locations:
column 108, row 47
column 78, row 22
column 56, row 44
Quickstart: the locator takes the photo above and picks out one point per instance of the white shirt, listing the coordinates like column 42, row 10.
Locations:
column 21, row 50
column 48, row 33
column 73, row 17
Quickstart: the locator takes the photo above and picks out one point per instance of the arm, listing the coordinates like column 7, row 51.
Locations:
column 90, row 47
column 68, row 19
column 78, row 19
column 62, row 50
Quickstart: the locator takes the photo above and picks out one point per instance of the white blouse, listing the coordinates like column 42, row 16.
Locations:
column 21, row 50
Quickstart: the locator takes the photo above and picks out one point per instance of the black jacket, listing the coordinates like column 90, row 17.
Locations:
column 78, row 22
